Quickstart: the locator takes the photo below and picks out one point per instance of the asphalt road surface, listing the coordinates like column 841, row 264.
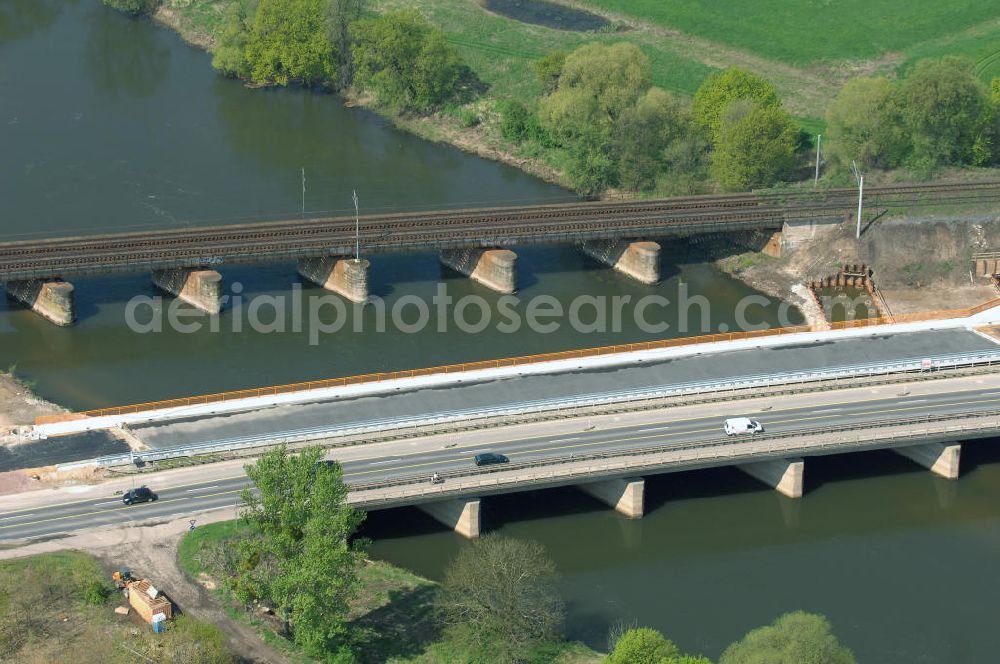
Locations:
column 54, row 520
column 511, row 391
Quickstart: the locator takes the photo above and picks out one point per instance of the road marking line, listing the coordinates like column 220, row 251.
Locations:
column 851, row 402
column 214, row 486
column 83, row 502
column 675, row 433
column 107, row 512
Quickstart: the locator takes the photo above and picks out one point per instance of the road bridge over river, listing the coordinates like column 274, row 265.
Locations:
column 605, row 456
column 476, row 242
column 622, row 421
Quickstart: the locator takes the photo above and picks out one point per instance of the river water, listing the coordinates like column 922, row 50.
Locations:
column 107, row 123
column 902, row 563
column 112, row 124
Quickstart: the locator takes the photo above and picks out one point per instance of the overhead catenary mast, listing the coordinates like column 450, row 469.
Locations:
column 357, row 227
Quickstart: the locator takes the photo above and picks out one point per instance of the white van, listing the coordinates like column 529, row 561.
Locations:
column 739, row 425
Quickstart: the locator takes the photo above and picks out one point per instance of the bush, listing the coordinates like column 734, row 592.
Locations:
column 289, row 41
column 500, row 597
column 549, row 68
column 405, row 61
column 95, row 593
column 794, row 638
column 755, row 147
column 945, row 109
column 865, row 125
column 518, row 124
column 720, row 90
column 595, row 87
column 229, row 54
column 133, row 7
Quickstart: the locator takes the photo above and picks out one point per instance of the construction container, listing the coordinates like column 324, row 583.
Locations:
column 148, row 602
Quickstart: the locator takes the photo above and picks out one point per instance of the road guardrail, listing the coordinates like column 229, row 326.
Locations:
column 551, row 407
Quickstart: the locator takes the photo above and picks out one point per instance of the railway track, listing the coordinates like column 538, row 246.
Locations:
column 453, row 228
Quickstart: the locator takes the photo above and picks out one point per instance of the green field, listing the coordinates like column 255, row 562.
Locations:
column 980, row 44
column 500, row 49
column 805, row 32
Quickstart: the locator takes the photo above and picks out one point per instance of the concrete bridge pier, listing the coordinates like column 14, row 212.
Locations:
column 347, row 277
column 50, row 298
column 639, row 260
column 459, row 514
column 198, row 287
column 783, row 475
column 493, row 268
column 627, row 496
column 940, row 458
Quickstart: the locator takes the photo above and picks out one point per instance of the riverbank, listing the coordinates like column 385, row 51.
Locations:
column 392, row 619
column 19, row 405
column 195, row 21
column 921, row 259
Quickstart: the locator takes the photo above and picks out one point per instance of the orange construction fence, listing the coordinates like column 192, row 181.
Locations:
column 506, row 362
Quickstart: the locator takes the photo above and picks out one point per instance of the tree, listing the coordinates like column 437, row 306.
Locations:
column 548, row 69
column 591, row 168
column 642, row 135
column 229, row 54
column 300, row 558
column 501, row 593
column 405, row 60
column 643, row 645
column 865, row 124
column 596, row 85
column 290, row 41
column 133, row 7
column 945, row 109
column 340, row 15
column 720, row 90
column 794, row 638
column 755, row 147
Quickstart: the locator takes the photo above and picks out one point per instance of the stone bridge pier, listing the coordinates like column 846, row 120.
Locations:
column 493, row 268
column 198, row 287
column 347, row 277
column 53, row 299
column 639, row 260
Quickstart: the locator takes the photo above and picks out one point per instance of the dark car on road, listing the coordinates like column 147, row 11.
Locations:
column 140, row 495
column 490, row 458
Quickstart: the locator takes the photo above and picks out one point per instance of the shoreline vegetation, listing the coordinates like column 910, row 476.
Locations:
column 636, row 108
column 294, row 565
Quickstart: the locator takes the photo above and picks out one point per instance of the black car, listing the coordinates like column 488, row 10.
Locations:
column 140, row 495
column 490, row 458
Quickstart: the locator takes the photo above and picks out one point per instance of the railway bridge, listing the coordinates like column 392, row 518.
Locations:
column 475, row 242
